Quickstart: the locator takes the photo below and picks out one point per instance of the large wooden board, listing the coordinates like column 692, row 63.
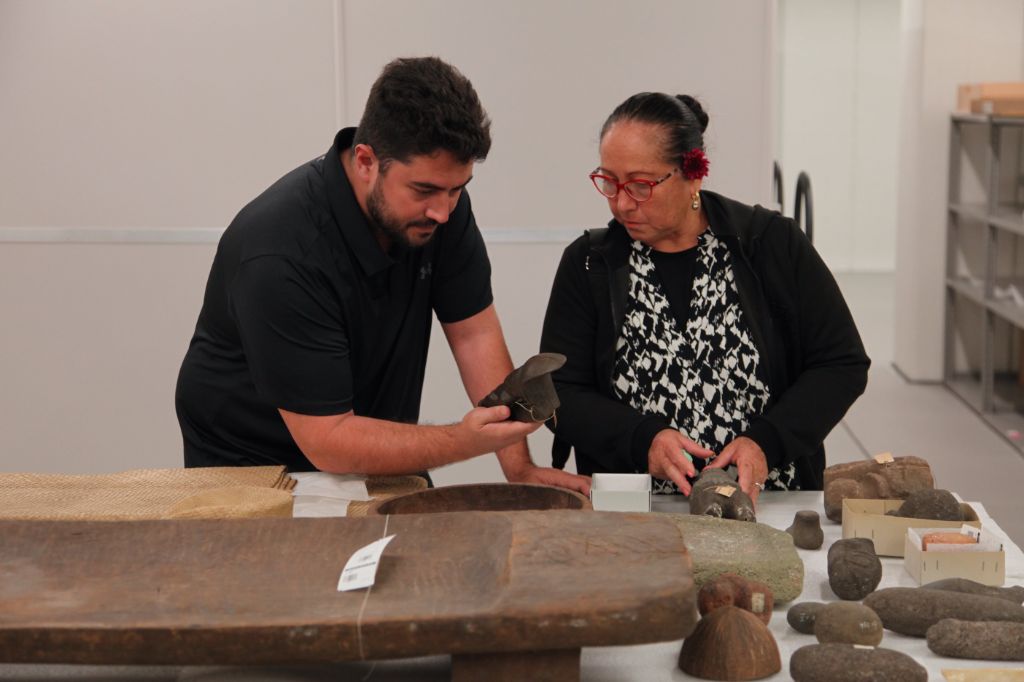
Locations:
column 264, row 591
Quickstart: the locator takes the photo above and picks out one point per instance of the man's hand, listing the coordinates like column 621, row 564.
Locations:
column 667, row 458
column 488, row 429
column 750, row 462
column 550, row 476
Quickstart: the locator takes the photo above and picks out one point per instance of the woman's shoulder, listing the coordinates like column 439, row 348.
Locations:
column 600, row 238
column 748, row 222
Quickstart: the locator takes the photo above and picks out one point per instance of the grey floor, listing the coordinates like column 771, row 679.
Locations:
column 966, row 455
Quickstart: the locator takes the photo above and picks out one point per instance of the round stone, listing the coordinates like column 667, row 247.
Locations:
column 848, row 623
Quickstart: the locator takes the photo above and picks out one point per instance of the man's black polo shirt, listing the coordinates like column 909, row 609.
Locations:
column 304, row 311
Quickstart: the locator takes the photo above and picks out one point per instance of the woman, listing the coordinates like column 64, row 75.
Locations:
column 695, row 326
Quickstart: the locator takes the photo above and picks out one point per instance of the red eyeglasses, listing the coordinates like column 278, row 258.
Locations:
column 638, row 190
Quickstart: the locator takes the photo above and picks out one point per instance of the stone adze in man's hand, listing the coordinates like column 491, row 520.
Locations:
column 529, row 390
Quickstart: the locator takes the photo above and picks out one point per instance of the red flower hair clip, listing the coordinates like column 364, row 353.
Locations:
column 695, row 164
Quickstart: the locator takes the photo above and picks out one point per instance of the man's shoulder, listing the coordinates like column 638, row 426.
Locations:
column 286, row 219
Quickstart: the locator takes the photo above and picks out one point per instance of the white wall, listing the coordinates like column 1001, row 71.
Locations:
column 838, row 100
column 157, row 114
column 153, row 123
column 945, row 43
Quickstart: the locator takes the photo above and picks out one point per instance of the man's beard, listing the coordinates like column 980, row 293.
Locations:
column 384, row 222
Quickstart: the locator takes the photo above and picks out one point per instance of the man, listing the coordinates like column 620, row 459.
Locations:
column 311, row 345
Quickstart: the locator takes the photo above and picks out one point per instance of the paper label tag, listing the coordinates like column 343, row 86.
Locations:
column 725, row 490
column 361, row 568
column 971, row 531
column 757, row 602
column 885, row 458
column 863, row 646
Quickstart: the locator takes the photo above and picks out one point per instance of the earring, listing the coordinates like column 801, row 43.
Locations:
column 695, row 205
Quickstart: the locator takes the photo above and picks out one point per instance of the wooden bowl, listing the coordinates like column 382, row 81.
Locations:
column 481, row 497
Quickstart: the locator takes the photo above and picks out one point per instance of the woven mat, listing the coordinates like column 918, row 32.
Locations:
column 144, row 494
column 383, row 487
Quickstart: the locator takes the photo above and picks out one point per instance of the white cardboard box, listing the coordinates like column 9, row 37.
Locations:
column 984, row 563
column 868, row 519
column 621, row 492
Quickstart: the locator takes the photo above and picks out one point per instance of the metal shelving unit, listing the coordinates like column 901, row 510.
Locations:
column 994, row 389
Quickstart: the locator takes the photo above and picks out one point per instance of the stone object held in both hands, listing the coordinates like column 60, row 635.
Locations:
column 715, row 493
column 730, row 589
column 870, row 480
column 848, row 663
column 854, row 570
column 806, row 530
column 989, row 640
column 937, row 505
column 1014, row 593
column 847, row 622
column 730, row 644
column 528, row 390
column 912, row 610
column 801, row 616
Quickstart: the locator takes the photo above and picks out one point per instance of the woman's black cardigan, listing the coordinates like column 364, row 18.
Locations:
column 809, row 346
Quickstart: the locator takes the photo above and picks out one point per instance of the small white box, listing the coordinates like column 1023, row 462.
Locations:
column 868, row 519
column 621, row 492
column 984, row 562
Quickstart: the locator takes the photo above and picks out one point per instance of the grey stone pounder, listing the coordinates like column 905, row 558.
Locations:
column 1013, row 593
column 912, row 610
column 989, row 640
column 848, row 623
column 801, row 616
column 847, row 663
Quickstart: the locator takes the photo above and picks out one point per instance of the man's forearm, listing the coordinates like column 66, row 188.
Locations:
column 482, row 356
column 364, row 445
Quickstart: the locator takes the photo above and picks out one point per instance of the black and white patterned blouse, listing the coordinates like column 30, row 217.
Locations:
column 703, row 379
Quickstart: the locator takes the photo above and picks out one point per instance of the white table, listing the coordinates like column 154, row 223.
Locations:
column 644, row 663
column 656, row 662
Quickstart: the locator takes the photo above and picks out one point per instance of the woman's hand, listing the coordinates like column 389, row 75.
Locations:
column 750, row 462
column 668, row 459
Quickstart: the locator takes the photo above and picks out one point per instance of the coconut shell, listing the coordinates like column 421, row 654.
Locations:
column 730, row 644
column 729, row 589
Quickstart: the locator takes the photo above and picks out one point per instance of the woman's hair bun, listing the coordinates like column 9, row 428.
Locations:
column 698, row 111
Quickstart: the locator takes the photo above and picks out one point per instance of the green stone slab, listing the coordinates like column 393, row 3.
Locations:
column 752, row 550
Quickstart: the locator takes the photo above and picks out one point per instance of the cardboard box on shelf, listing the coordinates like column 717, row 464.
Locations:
column 867, row 519
column 968, row 93
column 998, row 107
column 983, row 562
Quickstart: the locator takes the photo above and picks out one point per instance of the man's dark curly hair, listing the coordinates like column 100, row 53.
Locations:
column 419, row 106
